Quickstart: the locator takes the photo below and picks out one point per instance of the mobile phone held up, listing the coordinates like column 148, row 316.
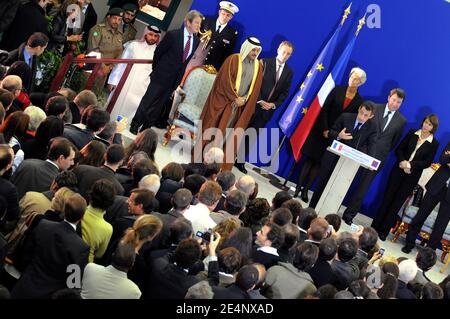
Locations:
column 381, row 251
column 354, row 228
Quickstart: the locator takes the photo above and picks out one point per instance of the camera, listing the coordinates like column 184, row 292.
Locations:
column 206, row 236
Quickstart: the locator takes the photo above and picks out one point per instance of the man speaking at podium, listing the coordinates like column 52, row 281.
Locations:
column 354, row 130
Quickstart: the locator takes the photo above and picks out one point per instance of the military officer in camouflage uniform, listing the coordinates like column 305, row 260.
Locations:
column 106, row 37
column 129, row 15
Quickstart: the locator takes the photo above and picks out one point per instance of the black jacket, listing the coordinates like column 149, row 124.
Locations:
column 441, row 176
column 221, row 44
column 167, row 281
column 321, row 273
column 279, row 95
column 55, row 246
column 30, row 18
column 87, row 175
column 9, row 193
column 365, row 140
column 168, row 65
column 90, row 20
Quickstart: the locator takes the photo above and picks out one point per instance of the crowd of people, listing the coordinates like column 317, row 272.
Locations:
column 82, row 215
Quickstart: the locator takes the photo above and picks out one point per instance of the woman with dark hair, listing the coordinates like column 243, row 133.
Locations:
column 51, row 127
column 93, row 154
column 414, row 153
column 241, row 239
column 146, row 141
column 22, row 70
column 390, row 273
column 63, row 26
column 14, row 131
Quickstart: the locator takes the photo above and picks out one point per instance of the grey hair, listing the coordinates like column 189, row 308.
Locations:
column 191, row 15
column 361, row 73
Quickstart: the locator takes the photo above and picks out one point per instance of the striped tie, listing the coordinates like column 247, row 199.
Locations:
column 187, row 48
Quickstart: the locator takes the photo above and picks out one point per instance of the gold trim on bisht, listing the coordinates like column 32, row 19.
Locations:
column 205, row 37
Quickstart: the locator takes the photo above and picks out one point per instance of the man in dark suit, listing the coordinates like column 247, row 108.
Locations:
column 88, row 19
column 169, row 63
column 95, row 123
column 274, row 91
column 29, row 52
column 53, row 247
column 218, row 38
column 80, row 103
column 390, row 123
column 438, row 191
column 170, row 280
column 269, row 239
column 246, row 280
column 8, row 191
column 87, row 175
column 354, row 130
column 37, row 175
column 30, row 17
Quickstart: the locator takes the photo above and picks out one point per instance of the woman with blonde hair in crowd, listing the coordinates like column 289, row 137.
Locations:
column 144, row 230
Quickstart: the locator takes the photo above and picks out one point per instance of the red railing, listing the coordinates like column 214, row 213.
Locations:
column 69, row 59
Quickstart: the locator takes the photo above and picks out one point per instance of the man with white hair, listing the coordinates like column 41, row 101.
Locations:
column 150, row 182
column 246, row 184
column 407, row 272
column 231, row 102
column 213, row 155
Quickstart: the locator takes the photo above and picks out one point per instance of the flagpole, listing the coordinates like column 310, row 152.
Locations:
column 272, row 157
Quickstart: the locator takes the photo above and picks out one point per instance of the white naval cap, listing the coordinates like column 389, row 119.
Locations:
column 228, row 6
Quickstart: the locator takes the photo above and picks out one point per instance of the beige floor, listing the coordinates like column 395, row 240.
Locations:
column 166, row 154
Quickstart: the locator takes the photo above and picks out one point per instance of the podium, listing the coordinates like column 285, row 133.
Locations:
column 346, row 168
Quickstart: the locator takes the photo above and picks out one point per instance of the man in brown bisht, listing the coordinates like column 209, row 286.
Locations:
column 231, row 102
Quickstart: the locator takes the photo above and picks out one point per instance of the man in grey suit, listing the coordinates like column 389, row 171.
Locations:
column 390, row 124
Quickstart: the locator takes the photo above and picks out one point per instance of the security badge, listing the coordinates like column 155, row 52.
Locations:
column 95, row 34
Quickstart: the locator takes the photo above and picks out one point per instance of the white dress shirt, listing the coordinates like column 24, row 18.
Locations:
column 199, row 217
column 386, row 110
column 222, row 26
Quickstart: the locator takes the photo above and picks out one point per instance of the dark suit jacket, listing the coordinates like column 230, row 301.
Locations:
column 55, row 246
column 90, row 20
column 316, row 144
column 403, row 291
column 424, row 155
column 9, row 192
column 171, row 282
column 365, row 140
column 162, row 239
column 268, row 260
column 230, row 292
column 388, row 138
column 321, row 273
column 168, row 65
column 78, row 136
column 441, row 176
column 87, row 175
column 17, row 55
column 34, row 175
column 261, row 116
column 76, row 116
column 345, row 273
column 222, row 44
column 30, row 18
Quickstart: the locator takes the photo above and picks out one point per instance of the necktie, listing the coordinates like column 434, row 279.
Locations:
column 218, row 29
column 385, row 120
column 277, row 77
column 357, row 127
column 187, row 48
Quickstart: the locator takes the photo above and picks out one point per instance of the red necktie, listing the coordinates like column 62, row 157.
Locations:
column 187, row 48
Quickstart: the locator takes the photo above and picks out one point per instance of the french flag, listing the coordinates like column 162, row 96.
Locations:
column 302, row 131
